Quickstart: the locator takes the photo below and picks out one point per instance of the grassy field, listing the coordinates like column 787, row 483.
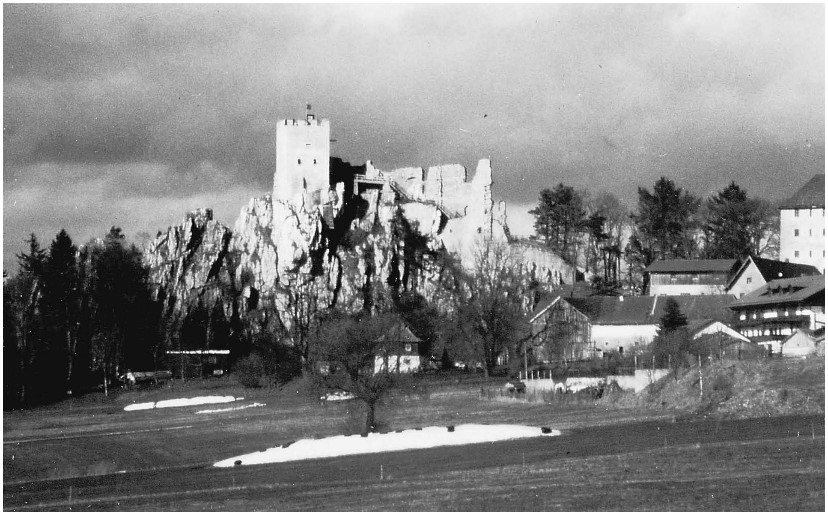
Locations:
column 89, row 454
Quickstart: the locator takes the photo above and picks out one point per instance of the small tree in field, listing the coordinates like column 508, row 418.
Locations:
column 343, row 356
column 673, row 340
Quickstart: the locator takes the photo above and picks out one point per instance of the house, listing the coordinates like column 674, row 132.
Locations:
column 755, row 272
column 400, row 353
column 690, row 277
column 801, row 344
column 599, row 324
column 776, row 310
column 802, row 225
column 629, row 324
column 559, row 330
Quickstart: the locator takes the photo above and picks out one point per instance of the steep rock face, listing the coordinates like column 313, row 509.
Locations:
column 190, row 262
column 393, row 234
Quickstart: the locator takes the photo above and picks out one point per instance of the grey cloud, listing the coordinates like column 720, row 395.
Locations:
column 174, row 100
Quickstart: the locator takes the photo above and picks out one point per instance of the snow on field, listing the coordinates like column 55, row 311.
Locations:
column 181, row 402
column 428, row 437
column 228, row 409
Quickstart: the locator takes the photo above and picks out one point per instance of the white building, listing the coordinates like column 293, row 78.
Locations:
column 303, row 153
column 802, row 225
column 755, row 272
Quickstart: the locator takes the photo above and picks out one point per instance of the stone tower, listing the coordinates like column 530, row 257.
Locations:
column 303, row 151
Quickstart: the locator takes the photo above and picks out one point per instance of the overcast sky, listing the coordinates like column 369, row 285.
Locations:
column 131, row 115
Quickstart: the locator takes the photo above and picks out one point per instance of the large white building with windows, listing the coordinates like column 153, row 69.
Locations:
column 802, row 225
column 303, row 153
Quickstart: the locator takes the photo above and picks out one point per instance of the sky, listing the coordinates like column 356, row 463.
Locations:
column 132, row 115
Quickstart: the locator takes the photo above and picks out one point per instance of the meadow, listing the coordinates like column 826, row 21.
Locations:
column 89, row 454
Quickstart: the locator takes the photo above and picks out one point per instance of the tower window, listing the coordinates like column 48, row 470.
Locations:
column 298, row 161
column 796, row 213
column 796, row 232
column 314, row 161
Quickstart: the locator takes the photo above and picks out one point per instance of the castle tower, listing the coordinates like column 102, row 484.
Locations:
column 303, row 152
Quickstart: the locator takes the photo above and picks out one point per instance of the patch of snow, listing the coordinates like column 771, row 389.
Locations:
column 337, row 396
column 212, row 411
column 180, row 402
column 428, row 437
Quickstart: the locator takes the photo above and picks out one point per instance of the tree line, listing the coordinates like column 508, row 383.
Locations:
column 73, row 316
column 668, row 223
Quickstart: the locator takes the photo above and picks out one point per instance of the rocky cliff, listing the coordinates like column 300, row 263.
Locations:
column 394, row 231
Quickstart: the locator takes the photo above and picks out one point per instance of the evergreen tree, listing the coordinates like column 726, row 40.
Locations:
column 122, row 309
column 24, row 292
column 559, row 220
column 60, row 304
column 665, row 221
column 735, row 225
column 672, row 342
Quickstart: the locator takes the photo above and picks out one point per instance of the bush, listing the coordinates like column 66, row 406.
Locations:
column 248, row 371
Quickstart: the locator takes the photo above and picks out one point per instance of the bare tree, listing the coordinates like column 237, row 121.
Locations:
column 343, row 355
column 491, row 305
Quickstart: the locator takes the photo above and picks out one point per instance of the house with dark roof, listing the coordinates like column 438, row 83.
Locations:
column 559, row 331
column 802, row 225
column 623, row 324
column 774, row 311
column 755, row 272
column 400, row 353
column 690, row 276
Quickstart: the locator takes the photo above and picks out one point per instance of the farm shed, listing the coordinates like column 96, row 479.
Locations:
column 198, row 363
column 801, row 344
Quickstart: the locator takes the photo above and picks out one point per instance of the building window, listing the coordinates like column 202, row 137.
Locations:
column 796, row 232
column 408, row 347
column 796, row 213
column 749, row 280
column 298, row 161
column 796, row 253
column 314, row 161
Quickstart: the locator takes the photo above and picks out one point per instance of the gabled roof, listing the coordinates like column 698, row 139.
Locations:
column 773, row 270
column 648, row 310
column 693, row 266
column 399, row 332
column 810, row 289
column 810, row 195
column 697, row 327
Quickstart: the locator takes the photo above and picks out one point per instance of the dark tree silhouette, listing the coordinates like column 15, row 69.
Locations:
column 736, row 226
column 665, row 221
column 344, row 355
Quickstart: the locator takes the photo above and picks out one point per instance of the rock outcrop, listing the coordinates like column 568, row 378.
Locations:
column 394, row 233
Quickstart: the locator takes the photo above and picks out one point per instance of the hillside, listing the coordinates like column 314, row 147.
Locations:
column 737, row 389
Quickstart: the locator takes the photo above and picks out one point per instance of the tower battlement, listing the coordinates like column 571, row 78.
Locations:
column 303, row 152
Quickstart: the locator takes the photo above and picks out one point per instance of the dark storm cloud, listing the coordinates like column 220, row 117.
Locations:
column 124, row 104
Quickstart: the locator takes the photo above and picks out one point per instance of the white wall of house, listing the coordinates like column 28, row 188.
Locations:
column 802, row 236
column 750, row 280
column 397, row 363
column 689, row 289
column 799, row 345
column 629, row 337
